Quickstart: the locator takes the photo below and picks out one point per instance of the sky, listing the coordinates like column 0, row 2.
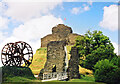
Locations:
column 29, row 21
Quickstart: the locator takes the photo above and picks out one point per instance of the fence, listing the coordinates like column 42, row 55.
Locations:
column 55, row 76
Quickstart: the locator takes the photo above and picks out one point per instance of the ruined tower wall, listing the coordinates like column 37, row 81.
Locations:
column 55, row 37
column 56, row 52
column 62, row 29
column 72, row 37
column 60, row 33
column 55, row 56
column 45, row 40
column 73, row 66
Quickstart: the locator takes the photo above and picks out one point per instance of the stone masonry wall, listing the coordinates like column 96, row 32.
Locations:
column 71, row 38
column 60, row 32
column 47, row 39
column 61, row 36
column 73, row 66
column 55, row 56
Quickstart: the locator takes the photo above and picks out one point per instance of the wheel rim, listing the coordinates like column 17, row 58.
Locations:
column 17, row 54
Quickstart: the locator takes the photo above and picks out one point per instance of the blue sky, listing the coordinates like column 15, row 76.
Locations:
column 31, row 20
column 88, row 20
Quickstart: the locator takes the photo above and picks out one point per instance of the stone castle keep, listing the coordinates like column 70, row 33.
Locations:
column 57, row 64
column 60, row 33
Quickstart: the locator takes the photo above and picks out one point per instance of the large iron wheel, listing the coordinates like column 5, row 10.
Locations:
column 26, row 53
column 17, row 54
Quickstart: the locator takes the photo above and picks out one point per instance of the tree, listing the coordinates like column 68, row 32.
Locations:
column 94, row 46
column 107, row 72
column 116, row 61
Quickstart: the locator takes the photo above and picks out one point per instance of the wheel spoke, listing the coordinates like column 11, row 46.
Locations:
column 13, row 55
column 7, row 61
column 2, row 58
column 16, row 56
column 23, row 46
column 6, row 54
column 13, row 60
column 26, row 61
column 28, row 53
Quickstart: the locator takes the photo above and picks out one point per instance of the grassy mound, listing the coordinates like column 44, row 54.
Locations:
column 9, row 73
column 39, row 60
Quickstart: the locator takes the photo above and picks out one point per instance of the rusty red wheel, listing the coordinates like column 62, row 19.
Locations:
column 25, row 52
column 6, row 54
column 17, row 54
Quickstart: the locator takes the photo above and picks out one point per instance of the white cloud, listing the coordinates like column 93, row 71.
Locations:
column 31, row 31
column 1, row 7
column 3, row 23
column 70, row 0
column 32, row 0
column 3, row 20
column 36, row 28
column 2, row 39
column 110, row 18
column 2, row 36
column 77, row 10
column 86, row 8
column 90, row 2
column 24, row 11
column 36, row 17
column 0, row 3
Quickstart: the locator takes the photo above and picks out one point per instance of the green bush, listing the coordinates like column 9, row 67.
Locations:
column 116, row 61
column 88, row 78
column 107, row 72
column 8, row 71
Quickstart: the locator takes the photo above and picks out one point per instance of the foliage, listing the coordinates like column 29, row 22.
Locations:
column 12, row 71
column 107, row 72
column 116, row 61
column 88, row 78
column 84, row 71
column 39, row 60
column 78, row 81
column 21, row 80
column 94, row 46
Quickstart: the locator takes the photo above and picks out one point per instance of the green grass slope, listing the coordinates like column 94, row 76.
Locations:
column 20, row 79
column 39, row 60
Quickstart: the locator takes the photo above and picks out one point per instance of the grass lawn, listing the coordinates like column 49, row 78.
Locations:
column 85, row 78
column 88, row 79
column 73, row 80
column 21, row 79
column 85, row 81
